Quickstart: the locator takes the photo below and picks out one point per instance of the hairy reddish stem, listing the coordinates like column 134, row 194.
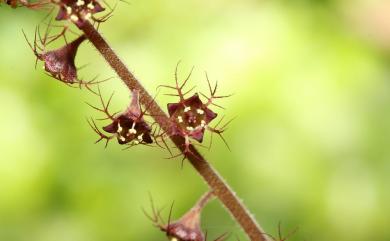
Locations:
column 220, row 188
column 204, row 200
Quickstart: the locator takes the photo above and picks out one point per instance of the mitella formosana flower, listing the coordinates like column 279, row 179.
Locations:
column 59, row 63
column 78, row 11
column 192, row 116
column 188, row 227
column 128, row 127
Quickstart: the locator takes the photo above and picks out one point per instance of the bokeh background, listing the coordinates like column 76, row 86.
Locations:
column 310, row 144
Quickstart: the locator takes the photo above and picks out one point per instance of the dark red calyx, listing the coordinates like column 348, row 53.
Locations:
column 78, row 11
column 191, row 116
column 60, row 63
column 188, row 228
column 130, row 127
column 129, row 130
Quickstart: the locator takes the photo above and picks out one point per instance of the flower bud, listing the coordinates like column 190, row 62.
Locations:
column 60, row 63
column 187, row 228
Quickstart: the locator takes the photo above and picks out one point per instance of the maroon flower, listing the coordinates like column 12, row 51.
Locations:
column 187, row 228
column 128, row 127
column 191, row 117
column 59, row 63
column 78, row 11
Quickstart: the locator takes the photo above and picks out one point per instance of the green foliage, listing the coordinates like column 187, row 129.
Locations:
column 309, row 146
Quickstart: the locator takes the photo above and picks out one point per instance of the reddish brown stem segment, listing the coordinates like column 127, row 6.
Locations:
column 214, row 180
column 204, row 200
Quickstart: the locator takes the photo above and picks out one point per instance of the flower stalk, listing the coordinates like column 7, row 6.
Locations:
column 220, row 188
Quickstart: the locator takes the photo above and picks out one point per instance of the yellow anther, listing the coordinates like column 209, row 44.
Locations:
column 188, row 108
column 190, row 128
column 68, row 10
column 180, row 119
column 91, row 6
column 74, row 18
column 88, row 16
column 119, row 128
column 200, row 111
column 80, row 3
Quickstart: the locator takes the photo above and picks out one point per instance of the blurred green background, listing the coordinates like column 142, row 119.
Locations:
column 310, row 144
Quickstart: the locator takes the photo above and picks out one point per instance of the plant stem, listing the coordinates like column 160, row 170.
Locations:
column 219, row 187
column 204, row 200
